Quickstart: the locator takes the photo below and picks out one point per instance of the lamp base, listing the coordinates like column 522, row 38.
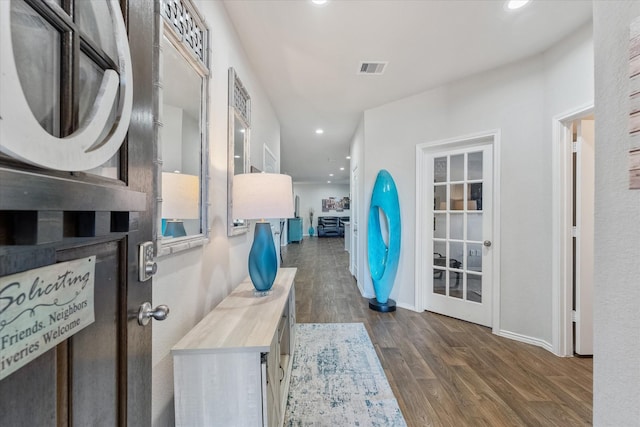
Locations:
column 174, row 228
column 258, row 294
column 387, row 307
column 263, row 261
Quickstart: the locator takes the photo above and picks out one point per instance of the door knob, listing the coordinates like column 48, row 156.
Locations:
column 487, row 243
column 146, row 313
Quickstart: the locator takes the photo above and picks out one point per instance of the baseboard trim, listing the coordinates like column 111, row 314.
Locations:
column 361, row 289
column 525, row 339
column 405, row 306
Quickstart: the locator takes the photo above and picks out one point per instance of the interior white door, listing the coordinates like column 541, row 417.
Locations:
column 355, row 213
column 458, row 233
column 584, row 248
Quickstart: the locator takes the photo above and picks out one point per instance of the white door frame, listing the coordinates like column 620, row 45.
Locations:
column 562, row 250
column 491, row 137
column 355, row 221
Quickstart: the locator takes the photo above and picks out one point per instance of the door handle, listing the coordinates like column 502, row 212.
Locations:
column 487, row 243
column 145, row 313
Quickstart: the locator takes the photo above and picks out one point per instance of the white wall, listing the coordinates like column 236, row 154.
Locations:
column 520, row 100
column 616, row 288
column 195, row 281
column 311, row 196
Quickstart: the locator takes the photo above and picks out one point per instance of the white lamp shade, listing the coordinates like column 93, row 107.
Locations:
column 180, row 196
column 262, row 196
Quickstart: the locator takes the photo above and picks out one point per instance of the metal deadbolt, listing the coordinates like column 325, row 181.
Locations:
column 150, row 268
column 487, row 243
column 146, row 266
column 145, row 313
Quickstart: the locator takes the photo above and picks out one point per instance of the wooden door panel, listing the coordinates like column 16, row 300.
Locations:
column 101, row 376
column 78, row 383
column 45, row 193
column 35, row 382
column 28, row 396
column 94, row 360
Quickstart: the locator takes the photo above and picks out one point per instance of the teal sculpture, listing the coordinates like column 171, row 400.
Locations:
column 383, row 257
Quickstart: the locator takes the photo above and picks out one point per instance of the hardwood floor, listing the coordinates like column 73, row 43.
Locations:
column 443, row 371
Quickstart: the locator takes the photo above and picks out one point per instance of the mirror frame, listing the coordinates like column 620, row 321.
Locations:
column 239, row 110
column 184, row 27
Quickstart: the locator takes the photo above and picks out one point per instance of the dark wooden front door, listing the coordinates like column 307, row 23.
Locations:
column 100, row 376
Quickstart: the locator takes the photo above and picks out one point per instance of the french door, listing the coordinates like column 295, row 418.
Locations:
column 458, row 231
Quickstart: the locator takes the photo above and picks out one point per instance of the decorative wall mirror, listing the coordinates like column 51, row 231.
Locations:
column 183, row 147
column 238, row 150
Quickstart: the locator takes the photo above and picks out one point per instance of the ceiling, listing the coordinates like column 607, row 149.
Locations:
column 307, row 58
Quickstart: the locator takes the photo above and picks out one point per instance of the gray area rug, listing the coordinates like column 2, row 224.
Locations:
column 337, row 379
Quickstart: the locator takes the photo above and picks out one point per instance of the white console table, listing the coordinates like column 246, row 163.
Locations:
column 233, row 368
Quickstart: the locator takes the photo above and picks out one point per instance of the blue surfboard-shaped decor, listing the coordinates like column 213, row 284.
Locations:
column 383, row 255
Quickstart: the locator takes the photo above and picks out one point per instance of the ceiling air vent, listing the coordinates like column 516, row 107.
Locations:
column 372, row 67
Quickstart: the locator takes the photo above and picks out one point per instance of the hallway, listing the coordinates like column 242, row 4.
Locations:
column 444, row 372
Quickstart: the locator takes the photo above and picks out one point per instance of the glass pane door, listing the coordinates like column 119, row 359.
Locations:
column 461, row 189
column 457, row 237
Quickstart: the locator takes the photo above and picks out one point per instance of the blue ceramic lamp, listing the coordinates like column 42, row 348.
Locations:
column 262, row 196
column 383, row 256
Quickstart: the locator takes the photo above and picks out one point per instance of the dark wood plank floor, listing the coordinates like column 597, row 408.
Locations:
column 443, row 371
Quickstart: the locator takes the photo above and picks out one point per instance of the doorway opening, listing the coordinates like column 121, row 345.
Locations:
column 574, row 168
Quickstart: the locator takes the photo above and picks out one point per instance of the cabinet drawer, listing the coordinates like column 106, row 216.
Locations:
column 218, row 389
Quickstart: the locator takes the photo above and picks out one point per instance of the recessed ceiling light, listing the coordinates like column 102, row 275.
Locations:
column 516, row 4
column 319, row 2
column 348, row 157
column 330, row 174
column 319, row 131
column 341, row 169
column 236, row 156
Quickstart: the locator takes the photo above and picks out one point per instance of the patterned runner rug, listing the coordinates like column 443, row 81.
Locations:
column 337, row 380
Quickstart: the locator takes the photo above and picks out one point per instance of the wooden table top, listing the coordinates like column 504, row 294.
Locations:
column 242, row 321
